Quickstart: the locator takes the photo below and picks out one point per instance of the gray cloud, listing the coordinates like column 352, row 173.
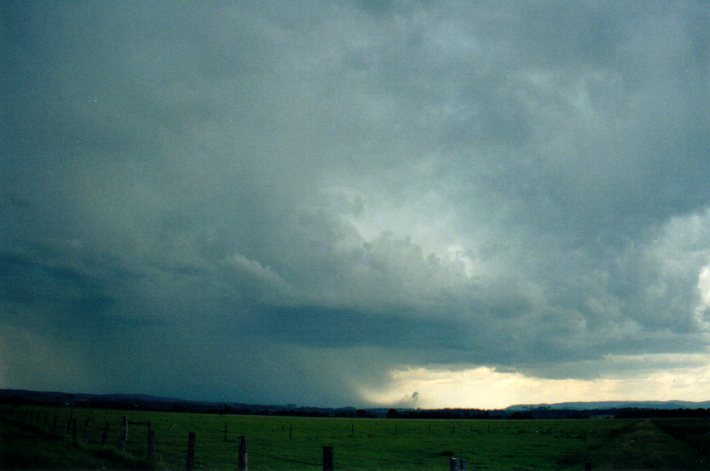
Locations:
column 308, row 196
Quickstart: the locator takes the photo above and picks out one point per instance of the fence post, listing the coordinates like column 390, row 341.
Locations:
column 87, row 430
column 104, row 434
column 68, row 428
column 457, row 464
column 190, row 465
column 124, row 433
column 151, row 440
column 242, row 466
column 328, row 461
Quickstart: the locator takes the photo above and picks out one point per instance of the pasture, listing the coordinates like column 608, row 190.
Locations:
column 297, row 443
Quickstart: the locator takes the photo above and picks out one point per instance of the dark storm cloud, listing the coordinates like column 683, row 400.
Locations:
column 311, row 194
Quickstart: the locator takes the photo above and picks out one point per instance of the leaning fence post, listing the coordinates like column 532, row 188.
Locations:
column 328, row 458
column 124, row 432
column 242, row 466
column 190, row 465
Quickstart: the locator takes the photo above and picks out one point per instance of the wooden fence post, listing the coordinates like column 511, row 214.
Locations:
column 190, row 465
column 457, row 464
column 104, row 434
column 87, row 430
column 123, row 440
column 242, row 463
column 68, row 428
column 150, row 437
column 151, row 440
column 328, row 458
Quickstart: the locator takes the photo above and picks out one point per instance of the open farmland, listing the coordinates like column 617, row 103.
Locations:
column 297, row 443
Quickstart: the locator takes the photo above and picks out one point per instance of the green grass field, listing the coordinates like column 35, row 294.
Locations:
column 296, row 443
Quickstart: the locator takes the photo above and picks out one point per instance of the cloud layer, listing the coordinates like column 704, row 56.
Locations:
column 285, row 203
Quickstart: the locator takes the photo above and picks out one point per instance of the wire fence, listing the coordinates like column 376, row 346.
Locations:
column 273, row 442
column 169, row 443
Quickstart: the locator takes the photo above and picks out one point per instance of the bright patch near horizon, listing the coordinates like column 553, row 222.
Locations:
column 486, row 388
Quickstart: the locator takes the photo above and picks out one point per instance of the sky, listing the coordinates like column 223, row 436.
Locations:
column 366, row 203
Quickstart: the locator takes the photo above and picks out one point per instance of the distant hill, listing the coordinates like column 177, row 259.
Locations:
column 158, row 403
column 542, row 411
column 59, row 398
column 582, row 406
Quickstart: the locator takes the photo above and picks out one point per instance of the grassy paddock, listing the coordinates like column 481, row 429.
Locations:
column 296, row 443
column 27, row 446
